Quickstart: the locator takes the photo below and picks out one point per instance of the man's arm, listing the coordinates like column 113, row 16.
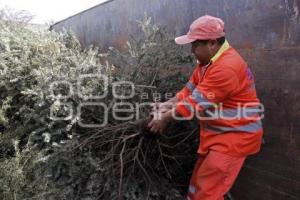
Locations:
column 218, row 86
column 165, row 106
column 207, row 94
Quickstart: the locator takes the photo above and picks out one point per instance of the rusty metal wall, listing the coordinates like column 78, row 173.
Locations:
column 111, row 23
column 267, row 34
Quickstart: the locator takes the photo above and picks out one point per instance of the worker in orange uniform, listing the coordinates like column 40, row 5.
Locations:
column 222, row 95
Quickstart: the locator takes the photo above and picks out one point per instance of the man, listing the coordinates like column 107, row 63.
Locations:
column 222, row 94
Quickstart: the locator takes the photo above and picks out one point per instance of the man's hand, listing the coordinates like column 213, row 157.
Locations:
column 160, row 121
column 163, row 107
column 161, row 115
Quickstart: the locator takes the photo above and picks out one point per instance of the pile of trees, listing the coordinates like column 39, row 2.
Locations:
column 59, row 137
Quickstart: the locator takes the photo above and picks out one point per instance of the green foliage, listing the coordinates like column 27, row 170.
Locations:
column 30, row 61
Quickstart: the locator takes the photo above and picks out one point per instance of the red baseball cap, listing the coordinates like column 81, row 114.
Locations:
column 204, row 28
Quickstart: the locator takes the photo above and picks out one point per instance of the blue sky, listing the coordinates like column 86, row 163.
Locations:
column 49, row 10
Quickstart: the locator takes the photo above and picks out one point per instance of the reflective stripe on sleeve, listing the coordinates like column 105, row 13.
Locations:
column 190, row 86
column 201, row 100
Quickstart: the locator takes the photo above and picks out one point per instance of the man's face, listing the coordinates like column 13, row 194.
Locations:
column 203, row 51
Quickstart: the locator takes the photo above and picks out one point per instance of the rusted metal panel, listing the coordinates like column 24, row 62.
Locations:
column 267, row 34
column 250, row 23
column 111, row 24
